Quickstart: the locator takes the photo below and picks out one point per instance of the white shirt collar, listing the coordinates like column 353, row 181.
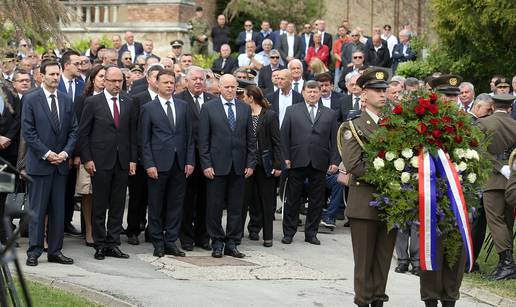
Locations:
column 109, row 96
column 163, row 101
column 47, row 93
column 288, row 95
column 375, row 117
column 224, row 101
column 152, row 93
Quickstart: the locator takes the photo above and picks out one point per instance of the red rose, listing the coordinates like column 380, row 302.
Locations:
column 460, row 125
column 381, row 154
column 420, row 110
column 431, row 141
column 445, row 119
column 436, row 133
column 384, row 121
column 433, row 97
column 424, row 102
column 473, row 143
column 397, row 109
column 439, row 143
column 421, row 128
column 434, row 121
column 458, row 139
column 433, row 109
column 449, row 129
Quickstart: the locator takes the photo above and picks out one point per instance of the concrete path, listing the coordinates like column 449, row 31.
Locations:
column 297, row 275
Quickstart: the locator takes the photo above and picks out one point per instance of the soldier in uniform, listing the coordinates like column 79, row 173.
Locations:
column 199, row 31
column 372, row 243
column 499, row 213
column 444, row 283
column 510, row 190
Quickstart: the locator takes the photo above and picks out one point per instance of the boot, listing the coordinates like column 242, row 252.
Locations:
column 448, row 303
column 430, row 303
column 377, row 304
column 505, row 269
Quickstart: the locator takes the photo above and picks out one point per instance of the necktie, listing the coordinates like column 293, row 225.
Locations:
column 170, row 115
column 296, row 86
column 2, row 105
column 53, row 111
column 231, row 116
column 223, row 64
column 197, row 104
column 312, row 114
column 70, row 89
column 356, row 105
column 116, row 113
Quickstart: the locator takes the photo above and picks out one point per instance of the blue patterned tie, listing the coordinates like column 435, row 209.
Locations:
column 231, row 116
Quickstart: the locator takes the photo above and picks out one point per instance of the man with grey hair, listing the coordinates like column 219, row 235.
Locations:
column 110, row 57
column 265, row 75
column 351, row 103
column 411, row 84
column 193, row 226
column 266, row 51
column 396, row 85
column 467, row 94
column 482, row 106
column 296, row 70
column 403, row 52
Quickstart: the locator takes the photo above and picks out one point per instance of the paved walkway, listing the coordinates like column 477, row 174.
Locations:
column 297, row 275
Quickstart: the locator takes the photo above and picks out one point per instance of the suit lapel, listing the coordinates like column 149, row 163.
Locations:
column 222, row 113
column 369, row 125
column 46, row 109
column 107, row 110
column 162, row 113
column 305, row 110
column 318, row 115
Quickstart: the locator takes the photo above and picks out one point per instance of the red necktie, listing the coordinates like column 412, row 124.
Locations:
column 116, row 114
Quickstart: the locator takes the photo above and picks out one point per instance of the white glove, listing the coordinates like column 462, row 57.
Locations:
column 506, row 171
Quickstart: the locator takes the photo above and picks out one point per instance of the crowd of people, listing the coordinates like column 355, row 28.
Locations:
column 188, row 143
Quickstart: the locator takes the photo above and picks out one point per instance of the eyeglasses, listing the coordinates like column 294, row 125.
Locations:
column 274, row 57
column 354, row 35
column 176, row 47
column 127, row 58
column 85, row 62
column 358, row 57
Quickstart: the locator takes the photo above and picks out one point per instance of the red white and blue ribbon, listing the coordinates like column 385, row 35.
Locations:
column 447, row 170
column 427, row 212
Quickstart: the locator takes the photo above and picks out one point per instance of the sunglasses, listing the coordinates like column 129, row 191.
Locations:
column 127, row 58
column 274, row 57
column 355, row 35
column 358, row 57
column 176, row 47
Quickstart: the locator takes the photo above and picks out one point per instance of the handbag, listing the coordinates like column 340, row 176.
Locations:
column 16, row 204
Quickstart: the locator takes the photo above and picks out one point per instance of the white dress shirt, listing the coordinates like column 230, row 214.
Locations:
column 300, row 84
column 109, row 99
column 248, row 35
column 152, row 93
column 163, row 102
column 326, row 101
column 284, row 101
column 233, row 106
column 375, row 117
column 309, row 108
column 49, row 101
column 200, row 98
column 66, row 82
column 132, row 50
column 290, row 43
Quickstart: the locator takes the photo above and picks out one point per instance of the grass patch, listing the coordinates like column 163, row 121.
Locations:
column 43, row 295
column 505, row 288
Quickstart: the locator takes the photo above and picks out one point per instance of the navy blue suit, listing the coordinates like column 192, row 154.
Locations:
column 79, row 87
column 399, row 57
column 138, row 49
column 47, row 190
column 168, row 148
column 240, row 41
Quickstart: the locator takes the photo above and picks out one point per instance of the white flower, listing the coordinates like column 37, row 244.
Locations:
column 407, row 153
column 399, row 164
column 462, row 166
column 405, row 177
column 415, row 176
column 459, row 153
column 378, row 163
column 472, row 177
column 414, row 162
column 460, row 178
column 389, row 156
column 471, row 154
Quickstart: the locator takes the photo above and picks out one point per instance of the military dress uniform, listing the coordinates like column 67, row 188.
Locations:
column 373, row 244
column 510, row 189
column 199, row 28
column 444, row 283
column 501, row 129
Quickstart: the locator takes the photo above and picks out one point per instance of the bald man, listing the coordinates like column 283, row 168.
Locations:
column 135, row 48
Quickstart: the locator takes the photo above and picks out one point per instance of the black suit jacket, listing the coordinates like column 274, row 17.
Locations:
column 380, row 58
column 139, row 99
column 100, row 141
column 221, row 148
column 193, row 116
column 347, row 110
column 138, row 49
column 268, row 137
column 304, row 143
column 336, row 101
column 399, row 57
column 274, row 99
column 161, row 142
column 240, row 41
column 229, row 67
column 265, row 78
column 283, row 47
column 139, row 86
column 10, row 123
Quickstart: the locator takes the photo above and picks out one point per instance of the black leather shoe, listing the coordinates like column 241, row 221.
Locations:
column 286, row 240
column 505, row 269
column 133, row 240
column 233, row 252
column 448, row 303
column 71, row 230
column 99, row 254
column 187, row 247
column 430, row 303
column 313, row 240
column 416, row 271
column 89, row 244
column 32, row 260
column 254, row 236
column 115, row 252
column 401, row 268
column 217, row 252
column 206, row 246
column 267, row 243
column 174, row 251
column 60, row 258
column 158, row 252
column 377, row 304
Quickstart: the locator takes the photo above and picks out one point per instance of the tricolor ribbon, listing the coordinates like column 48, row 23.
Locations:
column 427, row 212
column 428, row 207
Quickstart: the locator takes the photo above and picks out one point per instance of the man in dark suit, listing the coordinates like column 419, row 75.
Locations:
column 309, row 147
column 227, row 149
column 168, row 158
column 107, row 137
column 378, row 53
column 330, row 98
column 290, row 45
column 220, row 33
column 351, row 103
column 284, row 96
column 247, row 35
column 275, row 36
column 72, row 84
column 135, row 48
column 49, row 127
column 138, row 197
column 225, row 64
column 326, row 38
column 265, row 75
column 306, row 38
column 141, row 84
column 193, row 226
column 402, row 52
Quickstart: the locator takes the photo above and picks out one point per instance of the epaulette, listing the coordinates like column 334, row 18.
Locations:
column 354, row 115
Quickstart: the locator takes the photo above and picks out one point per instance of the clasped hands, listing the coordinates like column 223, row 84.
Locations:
column 55, row 158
